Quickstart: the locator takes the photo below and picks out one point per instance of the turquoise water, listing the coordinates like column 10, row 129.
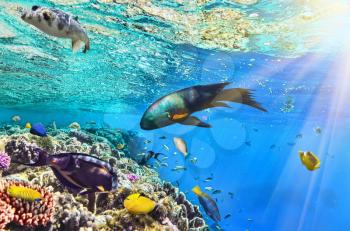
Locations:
column 252, row 154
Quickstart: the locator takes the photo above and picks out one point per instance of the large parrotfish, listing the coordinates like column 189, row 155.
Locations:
column 178, row 106
column 79, row 173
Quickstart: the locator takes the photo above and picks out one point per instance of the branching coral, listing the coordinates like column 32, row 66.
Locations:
column 5, row 161
column 27, row 213
column 6, row 215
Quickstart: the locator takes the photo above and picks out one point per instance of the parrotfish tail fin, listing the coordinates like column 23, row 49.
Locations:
column 192, row 120
column 197, row 190
column 87, row 46
column 237, row 95
column 40, row 160
column 76, row 45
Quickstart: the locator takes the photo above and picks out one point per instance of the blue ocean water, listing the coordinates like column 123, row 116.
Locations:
column 252, row 156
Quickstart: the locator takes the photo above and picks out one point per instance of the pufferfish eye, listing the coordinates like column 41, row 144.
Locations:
column 34, row 8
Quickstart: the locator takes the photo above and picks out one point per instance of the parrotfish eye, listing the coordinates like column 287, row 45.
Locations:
column 34, row 8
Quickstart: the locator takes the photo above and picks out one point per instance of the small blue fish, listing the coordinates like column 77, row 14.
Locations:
column 38, row 129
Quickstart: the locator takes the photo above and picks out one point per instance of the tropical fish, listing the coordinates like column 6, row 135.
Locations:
column 80, row 173
column 28, row 125
column 318, row 130
column 194, row 160
column 209, row 188
column 120, row 146
column 272, row 146
column 299, row 136
column 179, row 168
column 310, row 160
column 148, row 156
column 38, row 129
column 209, row 205
column 25, row 193
column 181, row 145
column 217, row 191
column 227, row 216
column 208, row 179
column 248, row 143
column 75, row 125
column 178, row 106
column 58, row 24
column 166, row 147
column 162, row 137
column 231, row 194
column 16, row 118
column 137, row 204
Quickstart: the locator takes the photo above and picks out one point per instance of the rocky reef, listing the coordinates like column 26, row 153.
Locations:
column 61, row 210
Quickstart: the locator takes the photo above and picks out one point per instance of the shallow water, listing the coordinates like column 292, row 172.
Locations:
column 303, row 85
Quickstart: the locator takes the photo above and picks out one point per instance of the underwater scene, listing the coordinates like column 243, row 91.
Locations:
column 174, row 115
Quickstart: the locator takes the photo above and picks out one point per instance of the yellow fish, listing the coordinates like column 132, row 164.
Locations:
column 137, row 204
column 310, row 160
column 24, row 193
column 28, row 125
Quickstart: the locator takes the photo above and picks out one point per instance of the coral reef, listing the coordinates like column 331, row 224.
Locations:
column 172, row 212
column 5, row 161
column 28, row 213
column 7, row 214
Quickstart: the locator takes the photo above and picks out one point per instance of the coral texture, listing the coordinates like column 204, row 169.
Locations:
column 28, row 213
column 5, row 161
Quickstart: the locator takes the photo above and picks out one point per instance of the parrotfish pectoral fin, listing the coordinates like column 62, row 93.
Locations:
column 76, row 45
column 194, row 121
column 238, row 95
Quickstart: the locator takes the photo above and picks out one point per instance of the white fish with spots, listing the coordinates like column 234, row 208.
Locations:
column 58, row 24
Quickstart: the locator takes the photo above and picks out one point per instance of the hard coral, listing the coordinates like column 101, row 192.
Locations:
column 26, row 213
column 6, row 215
column 5, row 161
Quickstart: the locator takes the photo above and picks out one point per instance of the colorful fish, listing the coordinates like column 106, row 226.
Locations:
column 178, row 106
column 148, row 156
column 28, row 125
column 80, row 173
column 16, row 118
column 310, row 160
column 25, row 193
column 181, row 145
column 38, row 129
column 209, row 205
column 137, row 204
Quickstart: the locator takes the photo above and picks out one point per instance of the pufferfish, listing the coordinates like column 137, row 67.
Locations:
column 58, row 24
column 310, row 160
column 137, row 204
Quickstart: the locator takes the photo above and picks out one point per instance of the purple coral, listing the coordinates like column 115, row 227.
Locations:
column 5, row 161
column 132, row 177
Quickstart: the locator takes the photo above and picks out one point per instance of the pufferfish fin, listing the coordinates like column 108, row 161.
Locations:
column 76, row 45
column 194, row 121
